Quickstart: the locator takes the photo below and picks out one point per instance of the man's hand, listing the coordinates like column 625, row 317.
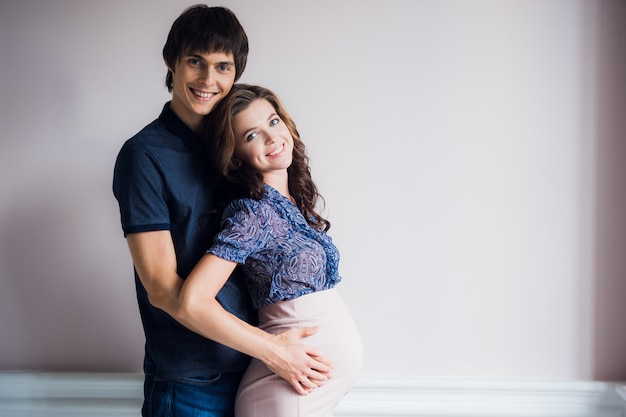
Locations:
column 300, row 365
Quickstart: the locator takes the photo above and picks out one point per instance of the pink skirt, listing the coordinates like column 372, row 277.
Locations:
column 264, row 394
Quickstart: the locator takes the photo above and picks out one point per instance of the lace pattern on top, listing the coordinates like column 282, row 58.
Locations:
column 282, row 255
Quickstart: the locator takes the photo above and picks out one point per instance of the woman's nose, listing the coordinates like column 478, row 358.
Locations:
column 271, row 137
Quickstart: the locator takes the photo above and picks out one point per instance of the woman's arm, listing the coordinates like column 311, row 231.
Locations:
column 283, row 353
column 193, row 305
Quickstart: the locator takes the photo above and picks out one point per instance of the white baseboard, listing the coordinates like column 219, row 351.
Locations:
column 120, row 395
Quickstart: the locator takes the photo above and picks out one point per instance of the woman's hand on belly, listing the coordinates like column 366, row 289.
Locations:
column 302, row 366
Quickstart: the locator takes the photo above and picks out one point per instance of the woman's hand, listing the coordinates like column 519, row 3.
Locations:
column 302, row 366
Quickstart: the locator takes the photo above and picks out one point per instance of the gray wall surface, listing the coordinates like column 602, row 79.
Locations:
column 470, row 154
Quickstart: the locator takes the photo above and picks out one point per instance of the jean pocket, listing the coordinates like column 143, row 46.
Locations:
column 200, row 380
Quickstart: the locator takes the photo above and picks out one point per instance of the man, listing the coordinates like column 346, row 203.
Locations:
column 162, row 186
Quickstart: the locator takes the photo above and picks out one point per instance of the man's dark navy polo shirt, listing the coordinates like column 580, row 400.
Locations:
column 161, row 182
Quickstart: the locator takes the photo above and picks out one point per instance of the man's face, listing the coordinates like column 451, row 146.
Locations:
column 200, row 81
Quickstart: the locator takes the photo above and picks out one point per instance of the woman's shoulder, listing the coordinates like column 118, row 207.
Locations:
column 247, row 208
column 244, row 204
column 248, row 220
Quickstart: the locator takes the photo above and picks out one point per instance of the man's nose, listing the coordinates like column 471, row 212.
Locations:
column 207, row 77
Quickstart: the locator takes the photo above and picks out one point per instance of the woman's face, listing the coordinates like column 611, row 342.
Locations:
column 263, row 141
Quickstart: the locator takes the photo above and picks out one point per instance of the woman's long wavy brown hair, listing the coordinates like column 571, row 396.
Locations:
column 234, row 179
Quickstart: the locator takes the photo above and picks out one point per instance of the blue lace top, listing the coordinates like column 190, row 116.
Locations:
column 282, row 255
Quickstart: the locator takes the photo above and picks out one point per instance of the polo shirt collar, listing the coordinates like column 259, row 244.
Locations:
column 173, row 123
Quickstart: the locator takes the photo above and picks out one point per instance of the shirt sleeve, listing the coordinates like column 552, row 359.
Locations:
column 244, row 231
column 139, row 189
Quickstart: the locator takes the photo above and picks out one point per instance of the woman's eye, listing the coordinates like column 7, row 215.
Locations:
column 251, row 136
column 274, row 122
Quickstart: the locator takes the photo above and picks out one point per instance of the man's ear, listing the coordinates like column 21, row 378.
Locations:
column 170, row 69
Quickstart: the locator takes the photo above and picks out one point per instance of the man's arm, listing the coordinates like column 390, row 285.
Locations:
column 192, row 302
column 154, row 258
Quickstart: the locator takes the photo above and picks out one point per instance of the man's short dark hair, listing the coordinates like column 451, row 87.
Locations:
column 204, row 29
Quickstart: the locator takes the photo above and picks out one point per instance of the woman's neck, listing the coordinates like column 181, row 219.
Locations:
column 279, row 182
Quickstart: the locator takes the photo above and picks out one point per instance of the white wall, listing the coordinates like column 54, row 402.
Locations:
column 471, row 174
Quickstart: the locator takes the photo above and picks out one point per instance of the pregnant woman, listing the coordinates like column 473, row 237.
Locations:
column 271, row 228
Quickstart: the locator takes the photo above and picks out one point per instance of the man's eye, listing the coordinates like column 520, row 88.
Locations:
column 224, row 68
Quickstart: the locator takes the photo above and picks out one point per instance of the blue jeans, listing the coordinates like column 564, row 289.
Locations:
column 209, row 396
